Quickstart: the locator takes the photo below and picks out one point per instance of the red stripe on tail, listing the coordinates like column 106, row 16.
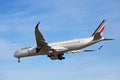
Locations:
column 102, row 29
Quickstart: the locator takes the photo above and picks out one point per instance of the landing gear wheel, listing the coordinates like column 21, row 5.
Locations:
column 60, row 57
column 63, row 57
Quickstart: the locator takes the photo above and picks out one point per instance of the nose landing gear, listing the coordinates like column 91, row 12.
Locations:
column 18, row 60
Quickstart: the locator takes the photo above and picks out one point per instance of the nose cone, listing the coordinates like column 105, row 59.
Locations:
column 16, row 54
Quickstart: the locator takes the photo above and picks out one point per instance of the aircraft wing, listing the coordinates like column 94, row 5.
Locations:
column 80, row 51
column 40, row 39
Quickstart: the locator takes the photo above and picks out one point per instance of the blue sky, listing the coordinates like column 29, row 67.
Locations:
column 60, row 20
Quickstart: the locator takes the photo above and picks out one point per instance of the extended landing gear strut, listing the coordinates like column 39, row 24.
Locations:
column 18, row 60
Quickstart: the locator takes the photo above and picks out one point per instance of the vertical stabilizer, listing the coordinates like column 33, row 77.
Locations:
column 100, row 28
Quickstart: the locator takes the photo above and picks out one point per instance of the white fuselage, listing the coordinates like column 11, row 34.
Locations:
column 60, row 47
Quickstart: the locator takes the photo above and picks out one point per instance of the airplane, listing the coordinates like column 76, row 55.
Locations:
column 55, row 51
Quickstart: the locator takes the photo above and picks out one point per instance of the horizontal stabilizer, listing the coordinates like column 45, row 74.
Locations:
column 106, row 39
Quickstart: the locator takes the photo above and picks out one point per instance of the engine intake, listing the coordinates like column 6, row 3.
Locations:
column 38, row 49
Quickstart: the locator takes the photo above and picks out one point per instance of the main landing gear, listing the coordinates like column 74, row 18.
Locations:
column 54, row 57
column 60, row 57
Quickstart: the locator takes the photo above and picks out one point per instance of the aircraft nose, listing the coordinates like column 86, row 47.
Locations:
column 16, row 54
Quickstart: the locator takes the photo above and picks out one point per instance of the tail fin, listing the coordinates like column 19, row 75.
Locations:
column 100, row 28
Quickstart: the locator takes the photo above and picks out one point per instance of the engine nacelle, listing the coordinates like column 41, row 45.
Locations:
column 38, row 49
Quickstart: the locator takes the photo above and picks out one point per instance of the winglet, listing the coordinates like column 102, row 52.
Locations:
column 100, row 47
column 37, row 25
